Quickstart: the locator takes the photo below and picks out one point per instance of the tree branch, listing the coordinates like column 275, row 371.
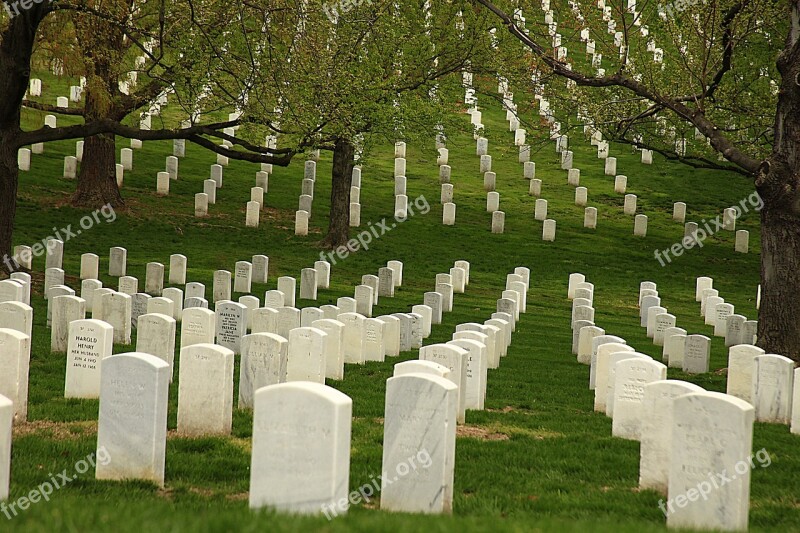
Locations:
column 718, row 141
column 75, row 112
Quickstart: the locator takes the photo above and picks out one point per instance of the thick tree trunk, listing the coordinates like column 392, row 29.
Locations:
column 16, row 47
column 9, row 178
column 779, row 314
column 103, row 46
column 342, row 177
column 778, row 183
column 97, row 179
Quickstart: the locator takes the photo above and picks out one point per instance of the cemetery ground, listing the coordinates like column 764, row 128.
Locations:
column 538, row 456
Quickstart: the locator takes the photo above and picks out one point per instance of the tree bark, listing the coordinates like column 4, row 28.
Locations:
column 9, row 178
column 341, row 178
column 778, row 183
column 97, row 179
column 779, row 313
column 103, row 46
column 16, row 47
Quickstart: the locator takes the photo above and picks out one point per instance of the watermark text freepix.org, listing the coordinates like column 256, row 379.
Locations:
column 678, row 6
column 715, row 481
column 334, row 9
column 15, row 7
column 706, row 230
column 364, row 238
column 421, row 459
column 64, row 234
column 56, row 482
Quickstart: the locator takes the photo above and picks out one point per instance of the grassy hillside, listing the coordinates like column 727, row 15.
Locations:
column 537, row 458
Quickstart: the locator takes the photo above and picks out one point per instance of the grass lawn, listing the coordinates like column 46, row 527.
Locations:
column 538, row 457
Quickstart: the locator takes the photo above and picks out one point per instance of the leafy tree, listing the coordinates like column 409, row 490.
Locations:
column 349, row 76
column 724, row 95
column 202, row 26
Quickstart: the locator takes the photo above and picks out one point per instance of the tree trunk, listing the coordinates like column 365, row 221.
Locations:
column 103, row 46
column 9, row 178
column 97, row 180
column 778, row 183
column 16, row 47
column 341, row 178
column 779, row 313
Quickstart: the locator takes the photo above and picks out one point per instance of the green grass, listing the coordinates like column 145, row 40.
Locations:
column 556, row 468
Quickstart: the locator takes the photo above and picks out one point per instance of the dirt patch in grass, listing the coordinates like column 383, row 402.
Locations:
column 477, row 432
column 206, row 493
column 510, row 409
column 498, row 431
column 55, row 430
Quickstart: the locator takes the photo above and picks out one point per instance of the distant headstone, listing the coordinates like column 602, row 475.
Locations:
column 132, row 423
column 741, row 364
column 263, row 362
column 455, row 359
column 631, row 377
column 15, row 360
column 700, row 420
column 773, row 377
column 656, row 431
column 306, row 356
column 696, row 354
column 428, row 490
column 205, row 390
column 156, row 336
column 301, row 449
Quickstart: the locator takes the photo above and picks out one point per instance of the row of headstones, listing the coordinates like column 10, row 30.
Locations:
column 489, row 185
column 678, row 424
column 475, row 348
column 633, row 389
column 301, row 430
column 172, row 301
column 373, row 287
column 303, row 213
column 169, row 301
column 355, row 197
column 691, row 229
column 246, row 273
column 736, row 329
column 88, row 342
column 695, row 350
column 529, row 168
column 691, row 353
column 400, row 181
column 201, row 362
column 210, row 190
column 446, row 196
